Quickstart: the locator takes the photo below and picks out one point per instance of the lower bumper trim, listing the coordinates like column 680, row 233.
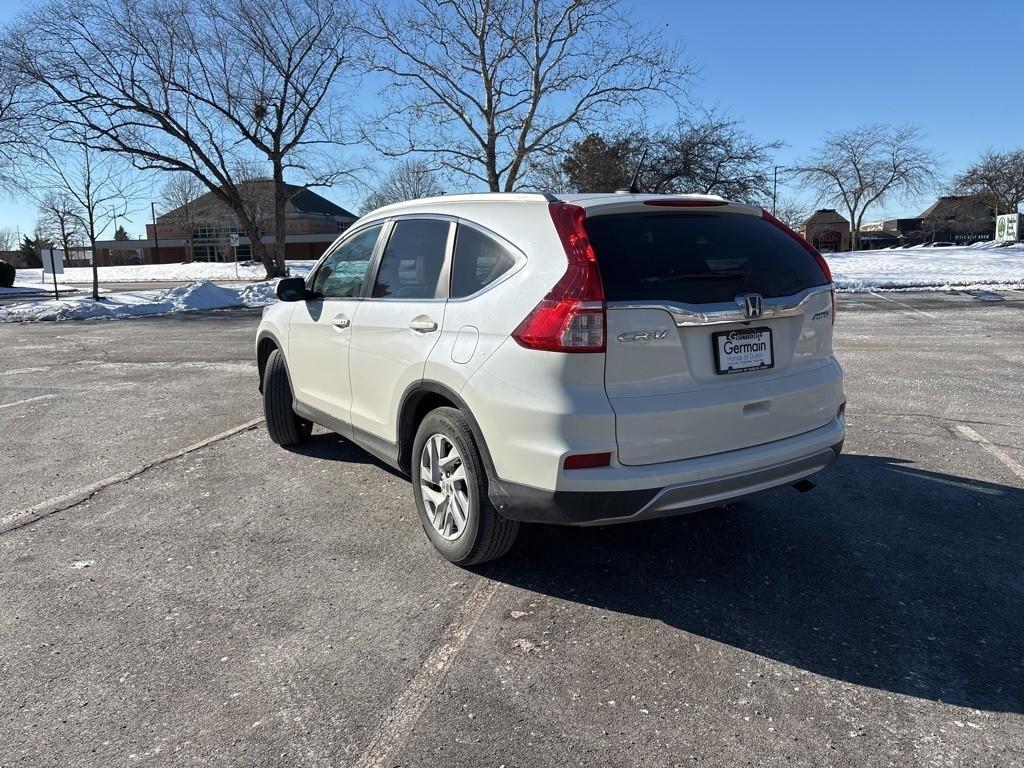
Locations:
column 517, row 502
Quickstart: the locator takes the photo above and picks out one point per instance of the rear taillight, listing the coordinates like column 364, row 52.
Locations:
column 811, row 250
column 571, row 318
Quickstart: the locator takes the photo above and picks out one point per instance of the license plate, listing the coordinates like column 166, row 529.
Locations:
column 747, row 349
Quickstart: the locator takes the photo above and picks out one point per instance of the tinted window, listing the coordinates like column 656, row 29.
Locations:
column 342, row 273
column 478, row 261
column 698, row 258
column 411, row 264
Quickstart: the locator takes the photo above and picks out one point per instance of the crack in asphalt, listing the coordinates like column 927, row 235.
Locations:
column 17, row 520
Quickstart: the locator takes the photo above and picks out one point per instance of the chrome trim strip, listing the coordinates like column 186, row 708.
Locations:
column 687, row 315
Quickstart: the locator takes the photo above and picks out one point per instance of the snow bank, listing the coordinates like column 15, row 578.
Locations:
column 980, row 266
column 170, row 273
column 117, row 306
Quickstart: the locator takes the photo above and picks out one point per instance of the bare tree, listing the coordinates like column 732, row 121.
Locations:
column 60, row 221
column 485, row 88
column 13, row 121
column 707, row 154
column 8, row 239
column 792, row 212
column 998, row 178
column 95, row 187
column 711, row 154
column 408, row 180
column 179, row 197
column 864, row 167
column 195, row 86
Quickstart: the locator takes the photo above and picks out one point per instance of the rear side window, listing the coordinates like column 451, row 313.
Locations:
column 697, row 258
column 479, row 260
column 411, row 265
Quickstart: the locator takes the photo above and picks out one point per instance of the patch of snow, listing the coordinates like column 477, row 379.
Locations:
column 942, row 269
column 117, row 306
column 169, row 273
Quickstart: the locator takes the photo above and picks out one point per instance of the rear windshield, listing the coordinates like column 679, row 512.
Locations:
column 697, row 258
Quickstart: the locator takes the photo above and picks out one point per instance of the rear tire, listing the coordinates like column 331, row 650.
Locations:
column 451, row 492
column 284, row 426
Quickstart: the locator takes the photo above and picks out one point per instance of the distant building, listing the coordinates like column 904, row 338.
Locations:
column 202, row 230
column 827, row 231
column 960, row 219
column 956, row 219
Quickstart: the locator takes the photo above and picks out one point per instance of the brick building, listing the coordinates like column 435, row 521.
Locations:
column 202, row 230
column 827, row 231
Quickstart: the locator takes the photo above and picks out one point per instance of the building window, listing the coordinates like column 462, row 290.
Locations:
column 212, row 242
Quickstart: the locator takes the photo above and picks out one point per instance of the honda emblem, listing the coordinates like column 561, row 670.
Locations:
column 751, row 304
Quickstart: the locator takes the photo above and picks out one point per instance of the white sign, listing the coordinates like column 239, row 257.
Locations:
column 53, row 260
column 1008, row 227
column 234, row 239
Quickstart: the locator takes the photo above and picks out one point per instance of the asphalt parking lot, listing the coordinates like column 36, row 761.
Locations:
column 168, row 599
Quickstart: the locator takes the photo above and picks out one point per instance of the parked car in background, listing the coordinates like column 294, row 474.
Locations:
column 581, row 360
column 7, row 274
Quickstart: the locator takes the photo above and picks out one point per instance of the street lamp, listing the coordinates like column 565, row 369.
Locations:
column 775, row 186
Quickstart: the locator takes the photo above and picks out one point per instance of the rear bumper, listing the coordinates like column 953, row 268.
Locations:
column 696, row 484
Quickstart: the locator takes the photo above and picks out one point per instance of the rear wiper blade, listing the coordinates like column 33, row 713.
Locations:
column 695, row 276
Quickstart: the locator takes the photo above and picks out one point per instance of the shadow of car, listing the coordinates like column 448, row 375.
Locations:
column 886, row 576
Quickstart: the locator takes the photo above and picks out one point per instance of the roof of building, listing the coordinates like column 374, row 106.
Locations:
column 826, row 216
column 301, row 200
column 304, row 200
column 953, row 205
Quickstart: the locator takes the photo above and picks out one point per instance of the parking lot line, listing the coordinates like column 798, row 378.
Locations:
column 38, row 511
column 396, row 727
column 905, row 306
column 26, row 400
column 1011, row 463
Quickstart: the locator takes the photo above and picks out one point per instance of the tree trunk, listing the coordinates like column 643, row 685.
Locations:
column 261, row 252
column 491, row 158
column 95, row 270
column 280, row 203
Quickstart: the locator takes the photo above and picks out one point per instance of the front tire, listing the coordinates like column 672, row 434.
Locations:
column 283, row 425
column 450, row 486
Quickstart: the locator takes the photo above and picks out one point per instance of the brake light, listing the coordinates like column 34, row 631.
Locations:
column 684, row 203
column 571, row 318
column 822, row 264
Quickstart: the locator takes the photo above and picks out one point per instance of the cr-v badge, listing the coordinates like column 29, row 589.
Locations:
column 642, row 337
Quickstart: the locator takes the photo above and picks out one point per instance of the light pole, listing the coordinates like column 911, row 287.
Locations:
column 775, row 187
column 156, row 236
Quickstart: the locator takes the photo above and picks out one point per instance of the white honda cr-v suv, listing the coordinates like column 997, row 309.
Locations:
column 584, row 360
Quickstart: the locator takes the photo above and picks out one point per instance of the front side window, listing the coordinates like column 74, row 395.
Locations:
column 411, row 265
column 341, row 275
column 478, row 261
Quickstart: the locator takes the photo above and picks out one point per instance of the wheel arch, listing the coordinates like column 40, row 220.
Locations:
column 267, row 342
column 417, row 401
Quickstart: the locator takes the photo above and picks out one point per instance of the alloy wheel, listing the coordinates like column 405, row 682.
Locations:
column 444, row 487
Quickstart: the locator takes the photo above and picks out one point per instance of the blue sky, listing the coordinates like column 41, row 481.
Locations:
column 793, row 70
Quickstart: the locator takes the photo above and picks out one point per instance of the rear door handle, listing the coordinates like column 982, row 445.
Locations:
column 423, row 324
column 341, row 322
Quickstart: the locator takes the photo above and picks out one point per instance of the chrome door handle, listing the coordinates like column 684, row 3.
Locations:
column 341, row 322
column 424, row 325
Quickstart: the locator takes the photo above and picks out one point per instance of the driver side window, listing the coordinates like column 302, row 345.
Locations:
column 341, row 275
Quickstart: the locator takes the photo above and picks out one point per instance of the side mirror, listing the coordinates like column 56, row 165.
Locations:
column 291, row 289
